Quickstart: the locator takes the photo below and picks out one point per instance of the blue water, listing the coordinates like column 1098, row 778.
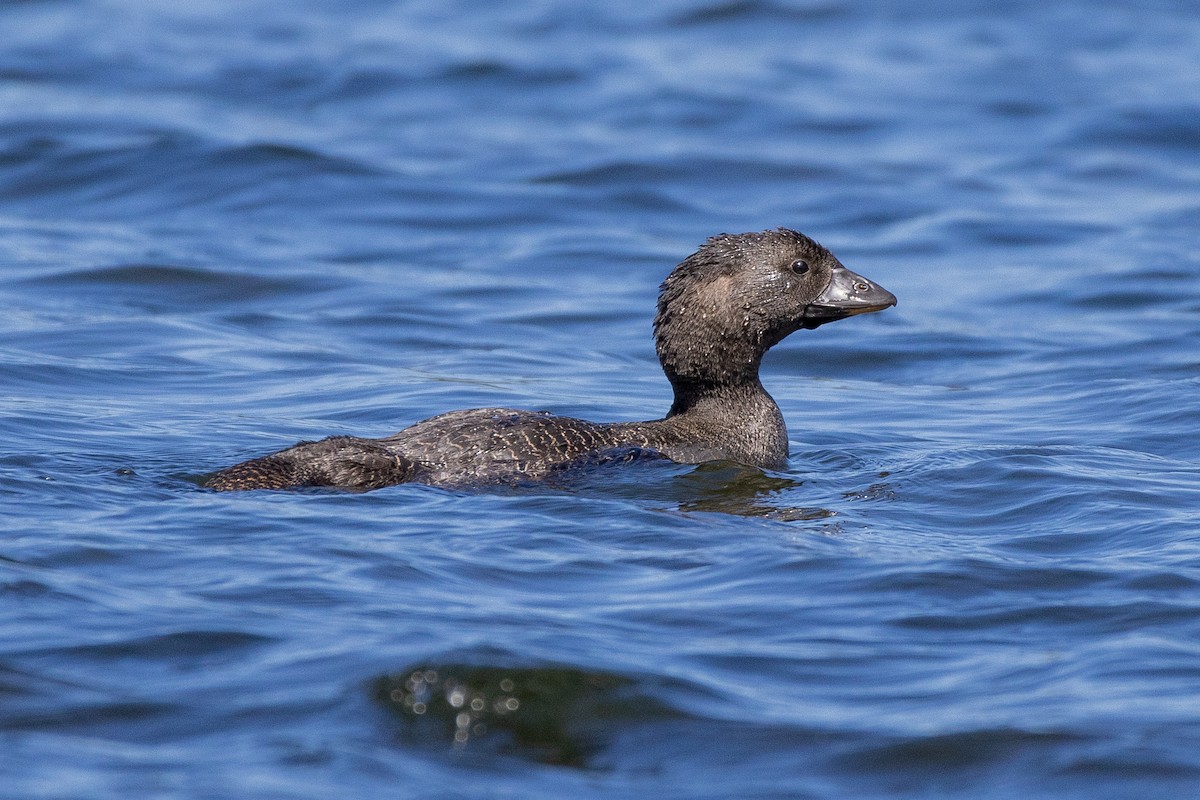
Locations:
column 228, row 226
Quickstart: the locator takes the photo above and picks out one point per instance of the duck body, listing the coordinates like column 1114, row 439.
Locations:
column 719, row 311
column 489, row 446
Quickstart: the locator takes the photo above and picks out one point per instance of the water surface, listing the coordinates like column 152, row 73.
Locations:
column 227, row 227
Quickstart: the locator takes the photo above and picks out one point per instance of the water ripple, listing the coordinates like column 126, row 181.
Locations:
column 230, row 226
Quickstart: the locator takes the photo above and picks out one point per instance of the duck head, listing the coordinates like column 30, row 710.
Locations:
column 738, row 295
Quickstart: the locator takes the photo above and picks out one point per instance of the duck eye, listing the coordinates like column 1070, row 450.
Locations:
column 799, row 266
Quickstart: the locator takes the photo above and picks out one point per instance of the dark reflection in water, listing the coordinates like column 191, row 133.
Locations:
column 731, row 488
column 718, row 486
column 550, row 714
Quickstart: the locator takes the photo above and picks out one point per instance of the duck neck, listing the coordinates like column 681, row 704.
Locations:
column 704, row 366
column 700, row 368
column 738, row 422
column 693, row 395
column 720, row 407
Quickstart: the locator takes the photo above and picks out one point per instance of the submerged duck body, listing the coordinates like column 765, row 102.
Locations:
column 719, row 311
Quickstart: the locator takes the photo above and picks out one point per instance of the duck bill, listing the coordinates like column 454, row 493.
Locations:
column 847, row 294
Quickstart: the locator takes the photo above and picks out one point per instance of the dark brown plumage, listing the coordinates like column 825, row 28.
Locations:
column 719, row 311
